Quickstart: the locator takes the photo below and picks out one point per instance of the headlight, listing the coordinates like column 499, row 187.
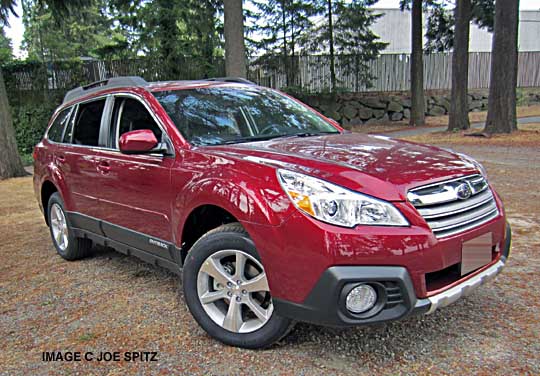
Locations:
column 337, row 205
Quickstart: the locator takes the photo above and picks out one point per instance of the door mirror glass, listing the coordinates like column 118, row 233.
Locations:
column 142, row 141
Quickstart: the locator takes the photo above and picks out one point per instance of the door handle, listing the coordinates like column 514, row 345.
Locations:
column 60, row 158
column 104, row 166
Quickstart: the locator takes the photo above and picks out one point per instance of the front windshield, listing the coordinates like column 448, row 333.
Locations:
column 225, row 115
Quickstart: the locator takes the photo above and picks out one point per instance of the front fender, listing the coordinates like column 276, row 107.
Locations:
column 251, row 194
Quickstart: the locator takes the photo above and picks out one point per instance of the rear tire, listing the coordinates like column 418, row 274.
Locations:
column 224, row 270
column 66, row 243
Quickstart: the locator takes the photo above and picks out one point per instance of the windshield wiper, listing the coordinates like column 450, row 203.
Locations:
column 240, row 140
column 310, row 134
column 247, row 139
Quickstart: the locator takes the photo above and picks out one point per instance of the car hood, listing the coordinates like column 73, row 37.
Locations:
column 375, row 165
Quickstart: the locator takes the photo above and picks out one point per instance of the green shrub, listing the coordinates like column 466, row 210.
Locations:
column 30, row 122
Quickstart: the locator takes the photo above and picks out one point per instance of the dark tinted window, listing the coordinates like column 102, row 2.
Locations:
column 134, row 116
column 218, row 115
column 88, row 122
column 56, row 130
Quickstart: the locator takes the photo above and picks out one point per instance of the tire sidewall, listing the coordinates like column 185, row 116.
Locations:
column 263, row 337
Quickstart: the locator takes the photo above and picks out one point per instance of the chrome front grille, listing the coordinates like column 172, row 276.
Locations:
column 456, row 205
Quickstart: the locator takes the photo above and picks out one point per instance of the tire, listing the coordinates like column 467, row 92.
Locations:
column 204, row 278
column 67, row 245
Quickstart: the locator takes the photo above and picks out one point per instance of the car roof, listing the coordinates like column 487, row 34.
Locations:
column 190, row 84
column 131, row 82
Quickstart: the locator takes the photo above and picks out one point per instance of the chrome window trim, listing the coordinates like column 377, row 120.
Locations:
column 156, row 120
column 117, row 126
column 105, row 122
column 75, row 110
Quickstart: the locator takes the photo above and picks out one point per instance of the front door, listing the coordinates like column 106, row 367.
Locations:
column 136, row 196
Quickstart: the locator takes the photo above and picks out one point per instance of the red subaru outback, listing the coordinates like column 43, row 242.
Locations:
column 274, row 213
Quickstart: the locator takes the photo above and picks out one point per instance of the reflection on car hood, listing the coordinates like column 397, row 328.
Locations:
column 377, row 165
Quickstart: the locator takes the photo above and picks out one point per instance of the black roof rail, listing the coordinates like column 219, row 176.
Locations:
column 104, row 84
column 239, row 80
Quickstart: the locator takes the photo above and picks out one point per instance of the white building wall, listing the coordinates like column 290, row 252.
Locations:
column 395, row 27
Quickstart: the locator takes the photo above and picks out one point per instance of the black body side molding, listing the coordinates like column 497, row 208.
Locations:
column 149, row 249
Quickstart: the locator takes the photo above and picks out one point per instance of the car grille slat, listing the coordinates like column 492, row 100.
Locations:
column 456, row 206
column 449, row 212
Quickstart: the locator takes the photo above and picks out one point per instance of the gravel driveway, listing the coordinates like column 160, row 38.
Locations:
column 112, row 302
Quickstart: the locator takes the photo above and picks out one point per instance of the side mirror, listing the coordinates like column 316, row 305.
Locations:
column 142, row 141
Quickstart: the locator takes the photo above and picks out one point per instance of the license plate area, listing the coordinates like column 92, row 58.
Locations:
column 476, row 253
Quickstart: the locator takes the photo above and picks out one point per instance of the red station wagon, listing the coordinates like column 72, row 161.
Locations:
column 274, row 213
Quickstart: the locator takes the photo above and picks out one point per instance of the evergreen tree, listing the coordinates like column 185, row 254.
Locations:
column 84, row 32
column 344, row 31
column 171, row 30
column 6, row 52
column 441, row 22
column 282, row 25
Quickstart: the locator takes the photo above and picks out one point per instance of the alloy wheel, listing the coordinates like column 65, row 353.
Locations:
column 59, row 226
column 233, row 290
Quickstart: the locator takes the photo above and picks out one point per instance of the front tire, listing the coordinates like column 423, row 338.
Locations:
column 66, row 243
column 226, row 290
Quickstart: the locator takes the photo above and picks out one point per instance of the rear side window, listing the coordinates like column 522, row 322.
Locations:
column 134, row 116
column 88, row 122
column 56, row 131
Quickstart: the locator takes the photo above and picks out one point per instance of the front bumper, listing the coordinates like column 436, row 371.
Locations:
column 325, row 305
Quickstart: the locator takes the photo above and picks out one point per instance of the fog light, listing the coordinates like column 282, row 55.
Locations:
column 361, row 299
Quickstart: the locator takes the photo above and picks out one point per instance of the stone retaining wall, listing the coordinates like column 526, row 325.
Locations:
column 352, row 109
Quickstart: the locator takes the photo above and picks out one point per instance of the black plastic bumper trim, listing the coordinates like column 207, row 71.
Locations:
column 325, row 304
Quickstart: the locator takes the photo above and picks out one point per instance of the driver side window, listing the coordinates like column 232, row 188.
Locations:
column 129, row 115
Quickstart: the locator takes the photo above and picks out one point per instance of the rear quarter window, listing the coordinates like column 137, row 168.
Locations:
column 56, row 131
column 88, row 122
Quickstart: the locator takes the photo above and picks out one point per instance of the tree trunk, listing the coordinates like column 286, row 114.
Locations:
column 501, row 116
column 10, row 162
column 284, row 26
column 331, row 40
column 235, row 50
column 459, row 103
column 417, row 66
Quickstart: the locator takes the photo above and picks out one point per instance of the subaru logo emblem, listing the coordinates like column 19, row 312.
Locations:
column 463, row 191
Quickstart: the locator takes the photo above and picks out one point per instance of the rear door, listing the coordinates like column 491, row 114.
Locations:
column 135, row 190
column 78, row 158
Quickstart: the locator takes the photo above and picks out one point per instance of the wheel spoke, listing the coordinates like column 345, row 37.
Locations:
column 214, row 269
column 57, row 213
column 233, row 318
column 58, row 237
column 261, row 313
column 258, row 283
column 212, row 296
column 240, row 266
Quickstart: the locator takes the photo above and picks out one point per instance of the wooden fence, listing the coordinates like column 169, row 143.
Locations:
column 311, row 73
column 392, row 72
